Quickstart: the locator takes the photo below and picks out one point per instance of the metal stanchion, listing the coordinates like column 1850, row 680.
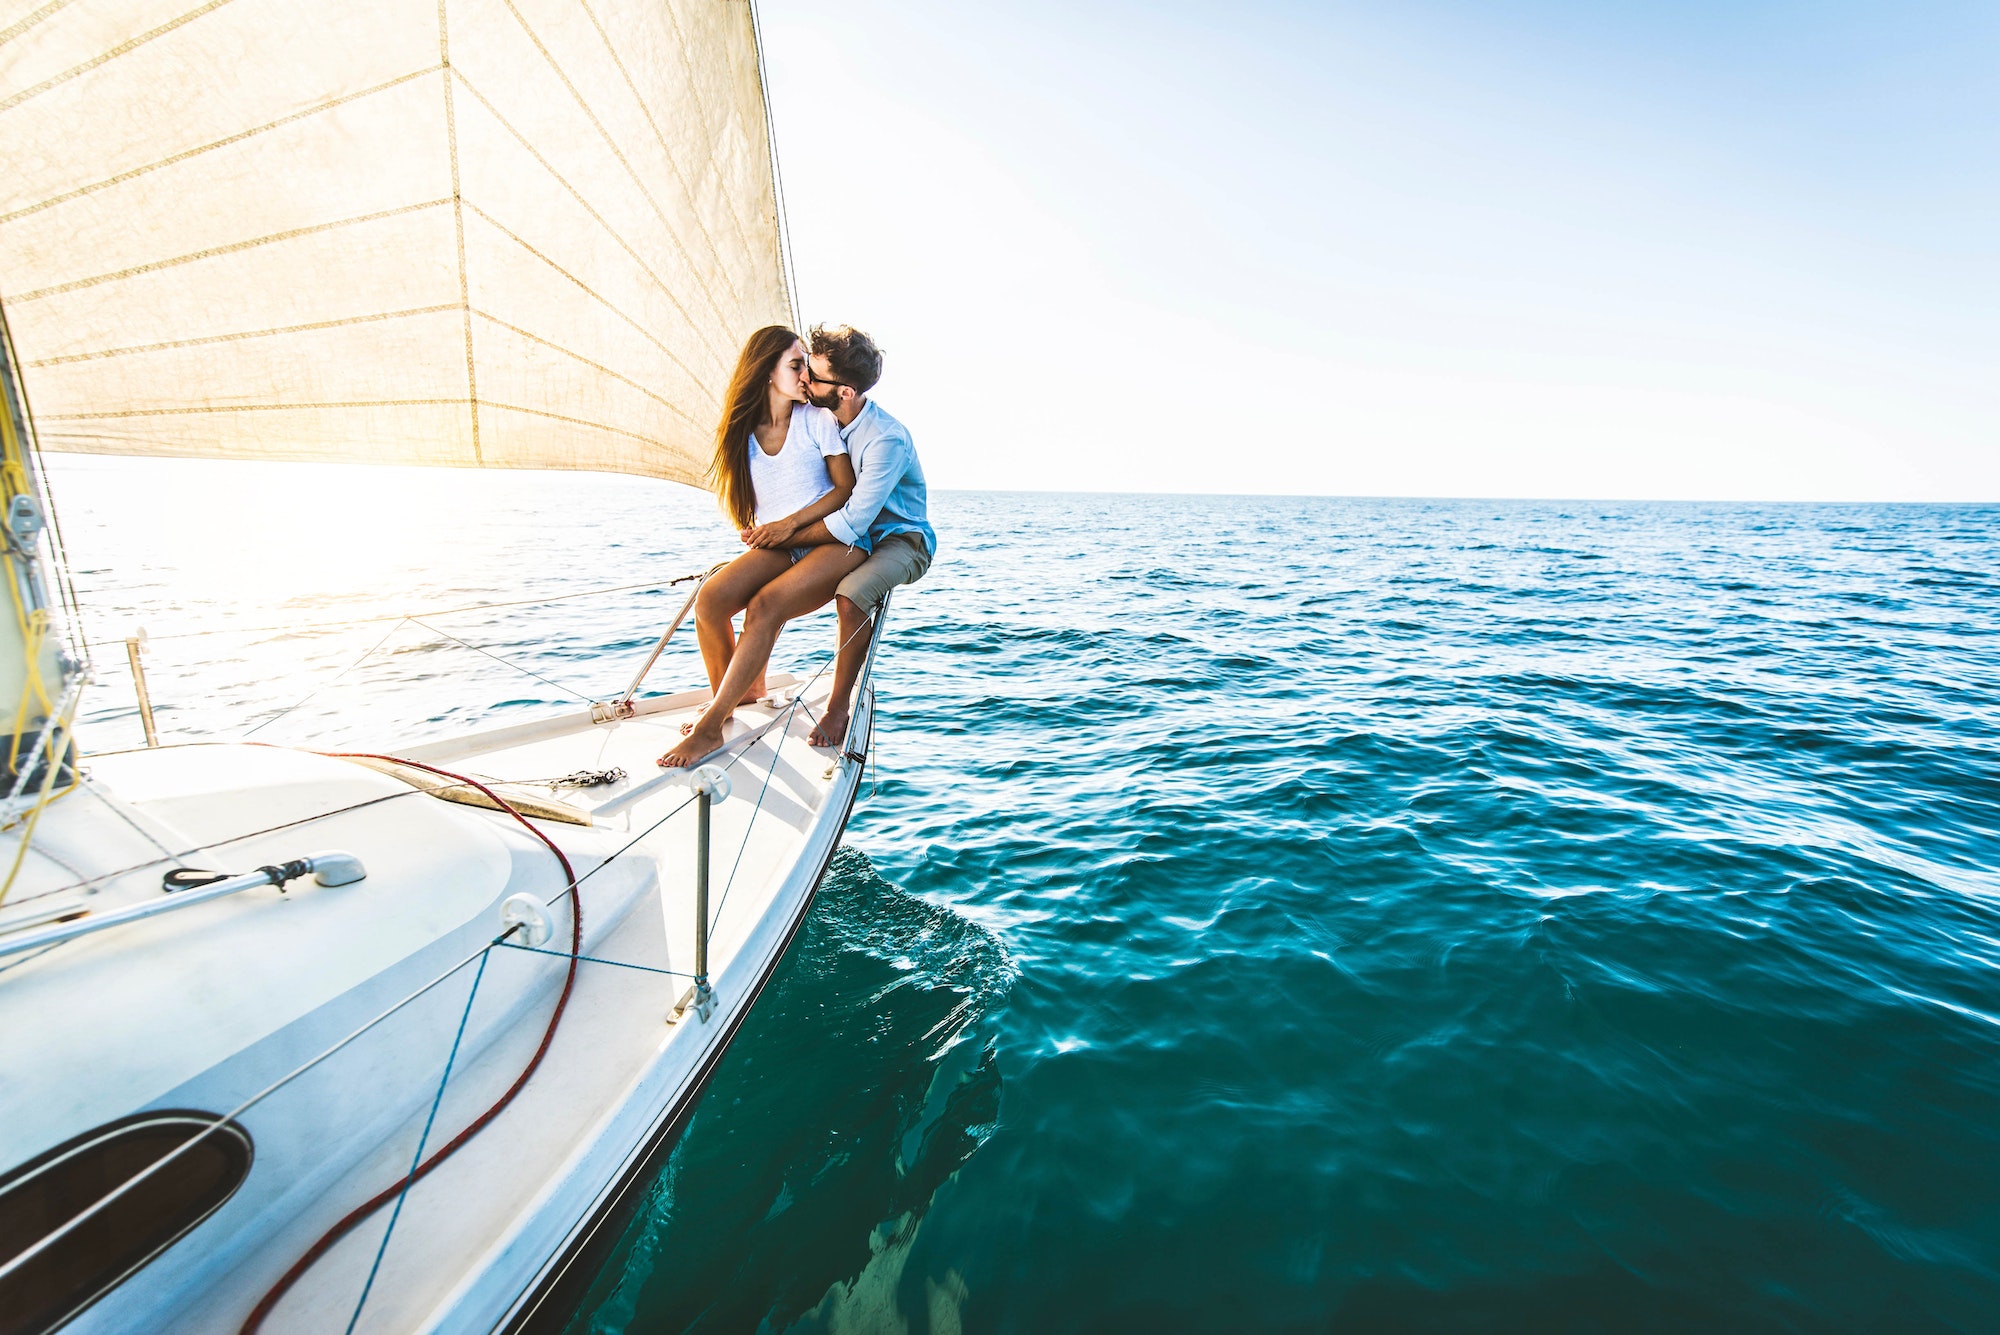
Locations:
column 622, row 707
column 703, row 801
column 711, row 785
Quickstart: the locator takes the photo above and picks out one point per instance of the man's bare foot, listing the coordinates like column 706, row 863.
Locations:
column 831, row 730
column 704, row 740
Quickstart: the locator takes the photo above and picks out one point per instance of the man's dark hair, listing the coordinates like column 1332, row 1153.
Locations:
column 855, row 359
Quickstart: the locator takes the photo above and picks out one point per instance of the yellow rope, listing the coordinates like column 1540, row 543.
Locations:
column 60, row 745
column 33, row 623
column 57, row 744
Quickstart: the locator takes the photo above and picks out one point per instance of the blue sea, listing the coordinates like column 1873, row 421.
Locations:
column 1264, row 913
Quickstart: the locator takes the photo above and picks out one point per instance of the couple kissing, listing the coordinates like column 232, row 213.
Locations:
column 825, row 491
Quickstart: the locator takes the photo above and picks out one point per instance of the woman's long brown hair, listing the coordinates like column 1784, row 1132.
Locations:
column 743, row 407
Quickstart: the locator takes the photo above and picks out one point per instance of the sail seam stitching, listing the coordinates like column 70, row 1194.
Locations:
column 601, row 221
column 606, row 302
column 701, row 113
column 230, row 249
column 664, row 402
column 251, row 408
column 210, row 409
column 115, row 52
column 673, row 162
column 619, row 154
column 31, row 20
column 578, row 421
column 243, row 334
column 458, row 226
column 183, row 156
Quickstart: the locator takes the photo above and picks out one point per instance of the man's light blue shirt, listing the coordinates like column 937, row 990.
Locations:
column 889, row 495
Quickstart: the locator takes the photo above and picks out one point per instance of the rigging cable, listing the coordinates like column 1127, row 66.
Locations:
column 546, row 681
column 777, row 174
column 393, row 1192
column 294, row 629
column 335, row 680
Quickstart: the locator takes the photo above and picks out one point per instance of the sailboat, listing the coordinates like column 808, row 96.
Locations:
column 381, row 1040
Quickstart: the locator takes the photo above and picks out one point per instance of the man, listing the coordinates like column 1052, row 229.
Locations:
column 889, row 505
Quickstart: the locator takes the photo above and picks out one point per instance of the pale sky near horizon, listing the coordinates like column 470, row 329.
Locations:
column 1535, row 248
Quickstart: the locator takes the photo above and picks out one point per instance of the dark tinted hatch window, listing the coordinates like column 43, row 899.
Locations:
column 42, row 1195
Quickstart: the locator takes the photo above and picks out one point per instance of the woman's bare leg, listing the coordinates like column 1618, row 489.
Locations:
column 805, row 587
column 728, row 592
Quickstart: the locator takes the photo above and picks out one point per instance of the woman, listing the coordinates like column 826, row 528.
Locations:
column 776, row 457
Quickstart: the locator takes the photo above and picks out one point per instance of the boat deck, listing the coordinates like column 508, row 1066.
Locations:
column 274, row 979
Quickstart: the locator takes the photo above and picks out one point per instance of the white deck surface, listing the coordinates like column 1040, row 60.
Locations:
column 201, row 1008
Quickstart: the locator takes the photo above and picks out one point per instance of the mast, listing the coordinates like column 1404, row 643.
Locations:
column 38, row 676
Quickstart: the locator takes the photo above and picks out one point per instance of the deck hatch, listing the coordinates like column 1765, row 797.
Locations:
column 48, row 1191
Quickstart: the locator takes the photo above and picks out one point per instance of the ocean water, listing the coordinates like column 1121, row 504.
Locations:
column 1266, row 914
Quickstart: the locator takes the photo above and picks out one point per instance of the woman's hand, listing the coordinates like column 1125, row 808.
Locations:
column 777, row 533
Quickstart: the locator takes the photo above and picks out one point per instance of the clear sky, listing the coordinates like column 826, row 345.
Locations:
column 1698, row 248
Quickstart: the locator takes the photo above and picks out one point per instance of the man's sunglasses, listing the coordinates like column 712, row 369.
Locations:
column 818, row 379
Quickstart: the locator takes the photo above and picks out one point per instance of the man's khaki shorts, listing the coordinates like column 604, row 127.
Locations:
column 900, row 558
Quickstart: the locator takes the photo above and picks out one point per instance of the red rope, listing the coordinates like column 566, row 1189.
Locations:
column 360, row 1212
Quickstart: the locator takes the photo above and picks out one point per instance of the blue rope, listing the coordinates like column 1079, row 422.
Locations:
column 422, row 1140
column 592, row 959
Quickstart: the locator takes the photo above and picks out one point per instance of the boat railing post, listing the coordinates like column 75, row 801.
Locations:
column 133, row 643
column 711, row 785
column 702, row 992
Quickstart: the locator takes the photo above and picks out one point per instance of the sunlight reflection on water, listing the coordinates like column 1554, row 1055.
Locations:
column 211, row 557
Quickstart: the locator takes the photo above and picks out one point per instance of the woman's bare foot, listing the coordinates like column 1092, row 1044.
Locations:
column 831, row 730
column 703, row 740
column 688, row 728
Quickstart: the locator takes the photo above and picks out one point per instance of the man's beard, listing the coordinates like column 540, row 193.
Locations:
column 830, row 400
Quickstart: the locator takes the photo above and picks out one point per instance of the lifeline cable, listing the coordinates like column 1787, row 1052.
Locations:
column 368, row 1207
column 428, row 612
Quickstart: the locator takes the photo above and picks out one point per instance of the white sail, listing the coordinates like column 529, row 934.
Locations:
column 502, row 233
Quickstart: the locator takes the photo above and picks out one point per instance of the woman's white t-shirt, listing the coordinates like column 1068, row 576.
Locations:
column 796, row 475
